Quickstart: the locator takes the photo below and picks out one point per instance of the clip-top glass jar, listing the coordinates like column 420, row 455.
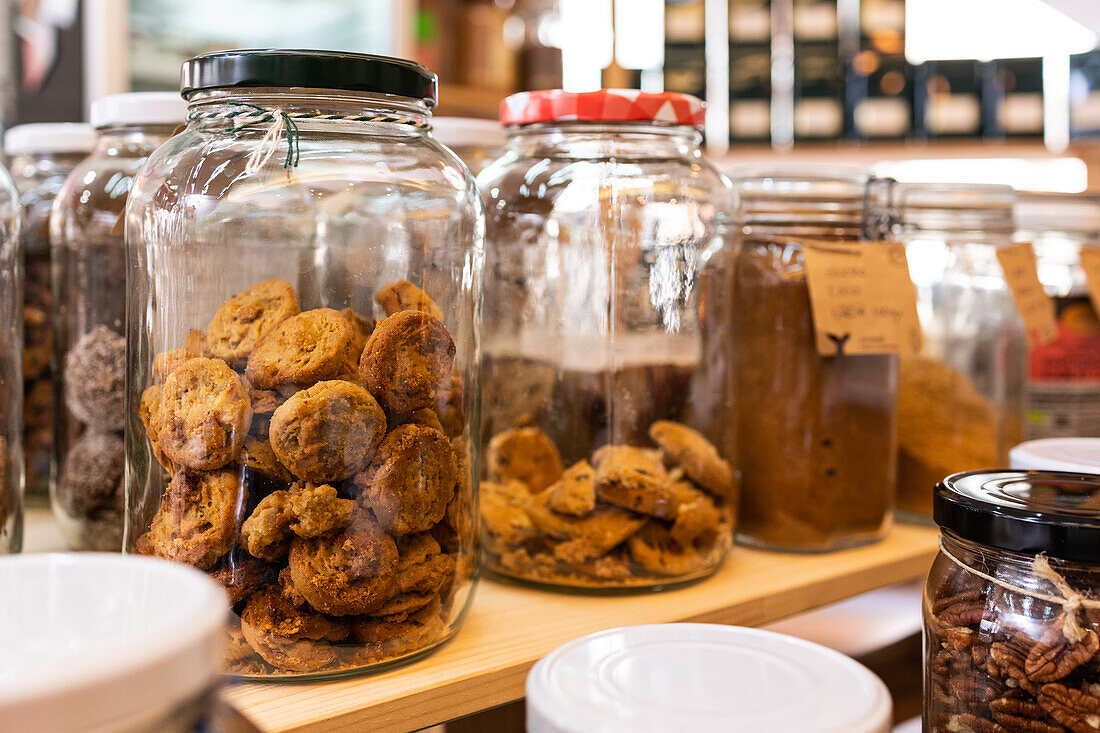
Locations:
column 607, row 414
column 1063, row 374
column 89, row 265
column 1011, row 614
column 305, row 280
column 817, row 434
column 962, row 400
column 11, row 369
column 42, row 156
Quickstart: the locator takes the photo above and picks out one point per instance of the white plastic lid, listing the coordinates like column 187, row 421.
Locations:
column 1060, row 212
column 49, row 137
column 457, row 132
column 139, row 108
column 702, row 677
column 1077, row 455
column 100, row 641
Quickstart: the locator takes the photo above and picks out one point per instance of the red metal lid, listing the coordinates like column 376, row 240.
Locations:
column 606, row 105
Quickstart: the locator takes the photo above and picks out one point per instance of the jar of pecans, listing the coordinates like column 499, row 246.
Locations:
column 1011, row 618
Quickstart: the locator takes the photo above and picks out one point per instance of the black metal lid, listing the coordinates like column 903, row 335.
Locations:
column 276, row 67
column 1024, row 511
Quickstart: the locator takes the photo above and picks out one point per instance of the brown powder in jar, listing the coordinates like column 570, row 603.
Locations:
column 944, row 426
column 817, row 434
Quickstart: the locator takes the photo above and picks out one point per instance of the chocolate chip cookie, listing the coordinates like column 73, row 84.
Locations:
column 247, row 317
column 351, row 572
column 583, row 537
column 310, row 347
column 635, row 479
column 407, row 358
column 205, row 413
column 575, row 492
column 411, row 480
column 524, row 454
column 687, row 449
column 197, row 520
column 328, row 432
column 403, row 295
column 290, row 638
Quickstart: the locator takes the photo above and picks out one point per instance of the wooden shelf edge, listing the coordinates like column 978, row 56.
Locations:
column 509, row 628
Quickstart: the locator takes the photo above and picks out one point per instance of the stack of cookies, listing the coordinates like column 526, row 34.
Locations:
column 631, row 516
column 317, row 469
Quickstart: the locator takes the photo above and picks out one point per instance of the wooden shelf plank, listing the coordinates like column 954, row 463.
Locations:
column 509, row 628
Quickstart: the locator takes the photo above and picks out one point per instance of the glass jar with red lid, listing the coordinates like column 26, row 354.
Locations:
column 607, row 415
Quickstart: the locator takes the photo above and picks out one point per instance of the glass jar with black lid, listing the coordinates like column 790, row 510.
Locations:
column 305, row 279
column 1010, row 609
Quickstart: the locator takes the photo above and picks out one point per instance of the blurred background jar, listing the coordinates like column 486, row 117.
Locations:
column 962, row 401
column 89, row 266
column 817, row 434
column 41, row 155
column 303, row 375
column 11, row 369
column 477, row 142
column 1064, row 374
column 607, row 412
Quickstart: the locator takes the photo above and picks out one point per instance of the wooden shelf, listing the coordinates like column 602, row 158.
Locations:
column 509, row 628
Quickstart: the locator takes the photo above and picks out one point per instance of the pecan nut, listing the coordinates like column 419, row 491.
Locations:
column 1076, row 710
column 1050, row 661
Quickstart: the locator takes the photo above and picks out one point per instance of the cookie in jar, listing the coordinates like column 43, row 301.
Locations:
column 301, row 400
column 607, row 417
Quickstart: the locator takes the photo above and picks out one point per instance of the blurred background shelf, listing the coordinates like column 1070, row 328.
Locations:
column 510, row 627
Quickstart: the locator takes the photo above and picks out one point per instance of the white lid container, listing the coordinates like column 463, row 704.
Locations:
column 459, row 132
column 1077, row 455
column 139, row 108
column 702, row 677
column 104, row 642
column 49, row 137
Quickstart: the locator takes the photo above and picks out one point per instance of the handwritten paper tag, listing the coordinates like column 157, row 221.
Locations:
column 1090, row 263
column 862, row 297
column 1034, row 305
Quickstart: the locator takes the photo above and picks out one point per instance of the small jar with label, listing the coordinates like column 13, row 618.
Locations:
column 477, row 142
column 1011, row 616
column 42, row 156
column 89, row 264
column 817, row 433
column 962, row 400
column 1064, row 374
column 606, row 413
column 11, row 369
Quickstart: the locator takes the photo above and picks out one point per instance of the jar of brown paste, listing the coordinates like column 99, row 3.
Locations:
column 818, row 434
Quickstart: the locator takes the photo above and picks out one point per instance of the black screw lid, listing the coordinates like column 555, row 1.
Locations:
column 1024, row 511
column 275, row 67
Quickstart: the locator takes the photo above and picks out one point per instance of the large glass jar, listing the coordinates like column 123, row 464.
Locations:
column 302, row 386
column 817, row 434
column 11, row 369
column 607, row 414
column 42, row 156
column 89, row 264
column 1011, row 614
column 1064, row 374
column 962, row 400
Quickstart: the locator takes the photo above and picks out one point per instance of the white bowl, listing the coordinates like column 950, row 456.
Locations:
column 97, row 641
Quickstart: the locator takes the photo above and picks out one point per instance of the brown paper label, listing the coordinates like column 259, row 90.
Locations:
column 1034, row 305
column 862, row 297
column 1090, row 263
